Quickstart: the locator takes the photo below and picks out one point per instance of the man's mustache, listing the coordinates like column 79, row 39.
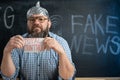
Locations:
column 42, row 34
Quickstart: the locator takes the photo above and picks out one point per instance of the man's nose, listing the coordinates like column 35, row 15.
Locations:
column 36, row 21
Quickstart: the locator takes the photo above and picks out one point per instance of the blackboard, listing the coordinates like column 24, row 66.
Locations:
column 91, row 27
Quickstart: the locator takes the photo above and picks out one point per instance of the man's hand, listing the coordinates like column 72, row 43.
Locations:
column 14, row 42
column 51, row 43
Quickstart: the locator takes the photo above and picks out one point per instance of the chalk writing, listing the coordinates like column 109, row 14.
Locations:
column 89, row 32
column 56, row 21
column 102, row 46
column 89, row 24
column 76, row 42
column 8, row 17
column 114, row 40
column 73, row 23
column 98, row 25
column 117, row 43
column 111, row 26
column 88, row 45
column 94, row 23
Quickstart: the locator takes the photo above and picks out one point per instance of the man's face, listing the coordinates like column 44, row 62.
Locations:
column 38, row 25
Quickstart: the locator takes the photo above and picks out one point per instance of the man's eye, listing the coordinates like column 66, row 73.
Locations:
column 41, row 19
column 31, row 19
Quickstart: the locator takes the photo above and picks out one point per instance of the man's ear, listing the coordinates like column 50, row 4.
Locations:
column 49, row 23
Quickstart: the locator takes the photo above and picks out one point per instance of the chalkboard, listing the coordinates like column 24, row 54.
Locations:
column 91, row 27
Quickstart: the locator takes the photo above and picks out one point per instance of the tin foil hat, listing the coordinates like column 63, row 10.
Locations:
column 37, row 10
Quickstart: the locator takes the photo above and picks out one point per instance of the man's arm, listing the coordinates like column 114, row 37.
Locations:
column 66, row 68
column 7, row 65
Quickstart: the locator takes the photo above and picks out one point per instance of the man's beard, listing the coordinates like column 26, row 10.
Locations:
column 42, row 34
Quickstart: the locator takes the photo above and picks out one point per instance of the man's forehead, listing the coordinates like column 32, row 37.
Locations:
column 38, row 15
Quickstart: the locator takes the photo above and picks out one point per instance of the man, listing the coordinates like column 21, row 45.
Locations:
column 55, row 63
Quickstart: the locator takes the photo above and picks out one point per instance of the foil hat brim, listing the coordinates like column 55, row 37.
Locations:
column 37, row 10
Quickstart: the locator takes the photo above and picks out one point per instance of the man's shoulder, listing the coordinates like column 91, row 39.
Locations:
column 53, row 35
column 25, row 35
column 57, row 37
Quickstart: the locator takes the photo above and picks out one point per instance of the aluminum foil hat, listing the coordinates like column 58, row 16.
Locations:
column 37, row 10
